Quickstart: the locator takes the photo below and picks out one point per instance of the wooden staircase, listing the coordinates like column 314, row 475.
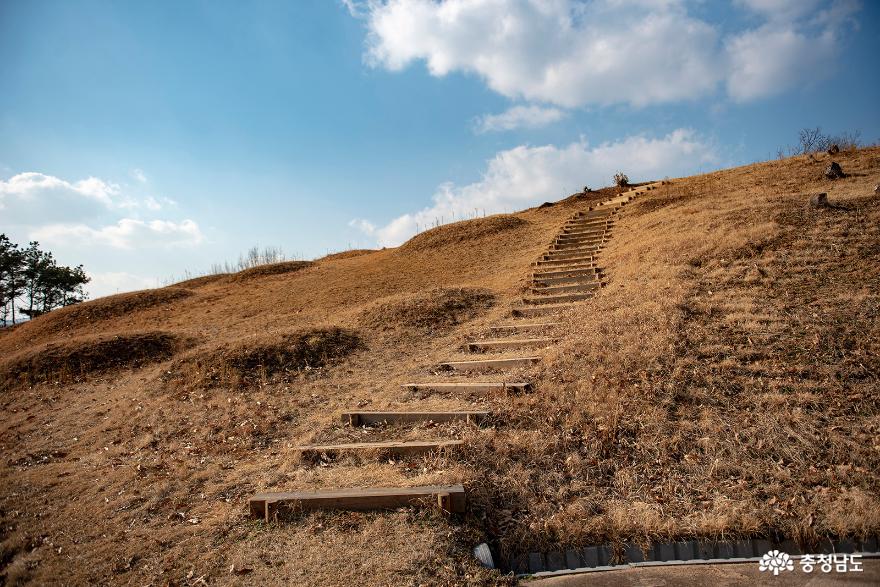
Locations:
column 565, row 274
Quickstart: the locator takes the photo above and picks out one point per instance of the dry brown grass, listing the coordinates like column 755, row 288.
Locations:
column 722, row 384
column 81, row 357
column 76, row 317
column 464, row 231
column 256, row 360
column 270, row 269
column 437, row 309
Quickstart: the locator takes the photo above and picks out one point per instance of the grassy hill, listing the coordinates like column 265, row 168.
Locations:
column 724, row 382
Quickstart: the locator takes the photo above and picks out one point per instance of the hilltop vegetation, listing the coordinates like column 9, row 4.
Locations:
column 723, row 383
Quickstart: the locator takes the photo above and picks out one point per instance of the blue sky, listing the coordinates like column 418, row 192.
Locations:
column 145, row 139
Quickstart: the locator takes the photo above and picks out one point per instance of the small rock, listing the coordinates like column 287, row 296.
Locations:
column 819, row 200
column 834, row 171
column 877, row 189
column 833, row 150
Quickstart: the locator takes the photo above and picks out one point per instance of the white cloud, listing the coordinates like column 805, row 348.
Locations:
column 786, row 10
column 30, row 185
column 139, row 175
column 772, row 59
column 109, row 283
column 519, row 117
column 363, row 225
column 525, row 176
column 572, row 53
column 36, row 198
column 127, row 233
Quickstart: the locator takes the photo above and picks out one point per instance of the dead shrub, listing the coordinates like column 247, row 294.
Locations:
column 436, row 309
column 76, row 359
column 254, row 361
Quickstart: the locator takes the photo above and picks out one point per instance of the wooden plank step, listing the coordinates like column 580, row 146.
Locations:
column 381, row 449
column 592, row 286
column 576, row 245
column 583, row 278
column 587, row 223
column 357, row 418
column 531, row 312
column 590, row 224
column 475, row 365
column 574, row 248
column 569, row 229
column 574, row 270
column 524, row 327
column 596, row 216
column 565, row 238
column 619, row 201
column 582, row 234
column 472, row 386
column 509, row 343
column 579, row 262
column 574, row 297
column 573, row 254
column 450, row 498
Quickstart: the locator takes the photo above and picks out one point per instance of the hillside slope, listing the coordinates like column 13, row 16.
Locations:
column 723, row 382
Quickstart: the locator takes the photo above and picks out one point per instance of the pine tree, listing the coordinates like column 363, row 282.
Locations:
column 11, row 280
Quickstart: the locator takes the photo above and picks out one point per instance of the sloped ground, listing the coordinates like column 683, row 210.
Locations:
column 724, row 382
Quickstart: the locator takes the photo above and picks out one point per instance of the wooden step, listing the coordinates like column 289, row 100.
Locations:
column 603, row 218
column 471, row 386
column 587, row 242
column 575, row 254
column 555, row 249
column 513, row 328
column 578, row 287
column 597, row 227
column 580, row 262
column 370, row 418
column 581, row 235
column 554, row 299
column 532, row 311
column 575, row 270
column 476, row 365
column 618, row 201
column 584, row 278
column 509, row 343
column 266, row 506
column 587, row 215
column 381, row 449
column 597, row 224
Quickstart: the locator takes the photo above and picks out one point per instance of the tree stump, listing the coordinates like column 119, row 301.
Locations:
column 834, row 171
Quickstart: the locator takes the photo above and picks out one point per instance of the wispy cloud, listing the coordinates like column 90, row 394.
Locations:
column 519, row 117
column 139, row 175
column 127, row 233
column 525, row 176
column 90, row 212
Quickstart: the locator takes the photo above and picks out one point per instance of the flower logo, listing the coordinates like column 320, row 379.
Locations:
column 776, row 561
